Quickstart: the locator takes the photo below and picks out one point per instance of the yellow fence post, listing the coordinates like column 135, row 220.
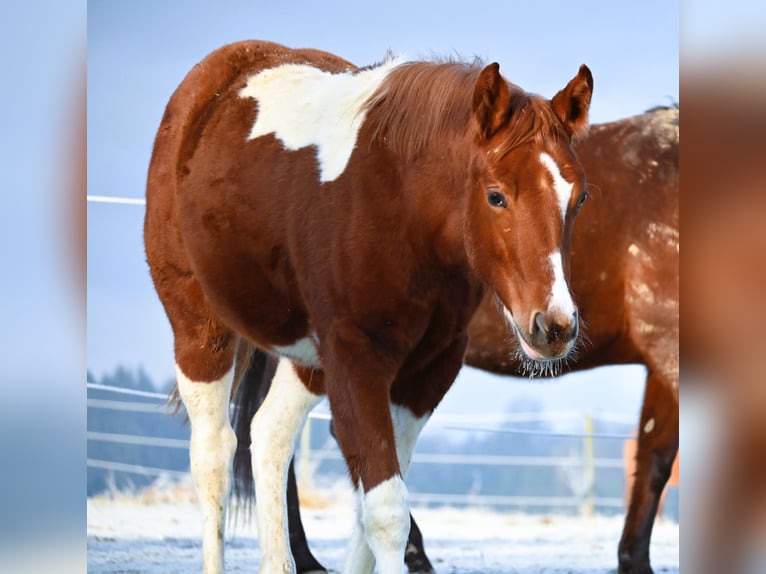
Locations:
column 589, row 470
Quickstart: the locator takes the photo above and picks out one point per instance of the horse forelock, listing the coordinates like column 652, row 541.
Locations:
column 531, row 119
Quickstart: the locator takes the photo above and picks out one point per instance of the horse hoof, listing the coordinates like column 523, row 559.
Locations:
column 418, row 567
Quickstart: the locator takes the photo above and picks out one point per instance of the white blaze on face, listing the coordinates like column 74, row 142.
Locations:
column 561, row 298
column 302, row 106
column 561, row 186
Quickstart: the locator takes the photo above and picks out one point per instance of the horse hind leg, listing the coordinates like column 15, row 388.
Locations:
column 211, row 452
column 273, row 431
column 657, row 448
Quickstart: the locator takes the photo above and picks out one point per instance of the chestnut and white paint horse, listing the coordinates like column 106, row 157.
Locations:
column 350, row 220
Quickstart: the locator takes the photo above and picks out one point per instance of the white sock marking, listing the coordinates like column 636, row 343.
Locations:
column 562, row 187
column 211, row 451
column 359, row 558
column 302, row 106
column 273, row 432
column 407, row 428
column 384, row 515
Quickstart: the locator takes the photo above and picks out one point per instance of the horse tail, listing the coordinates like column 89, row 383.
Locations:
column 253, row 375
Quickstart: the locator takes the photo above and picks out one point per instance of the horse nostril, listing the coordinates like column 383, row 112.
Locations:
column 552, row 328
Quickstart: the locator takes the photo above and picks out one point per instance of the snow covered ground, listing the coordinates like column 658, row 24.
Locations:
column 132, row 534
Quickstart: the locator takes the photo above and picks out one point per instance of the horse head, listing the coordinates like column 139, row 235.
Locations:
column 526, row 187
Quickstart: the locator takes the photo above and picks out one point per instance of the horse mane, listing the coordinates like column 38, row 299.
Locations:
column 419, row 103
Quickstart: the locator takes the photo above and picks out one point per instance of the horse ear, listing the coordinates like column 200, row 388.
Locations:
column 572, row 103
column 491, row 99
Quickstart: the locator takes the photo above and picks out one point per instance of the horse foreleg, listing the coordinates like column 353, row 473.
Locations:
column 422, row 391
column 273, row 431
column 359, row 377
column 406, row 428
column 211, row 451
column 657, row 448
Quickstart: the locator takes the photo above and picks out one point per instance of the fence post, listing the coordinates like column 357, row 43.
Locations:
column 589, row 467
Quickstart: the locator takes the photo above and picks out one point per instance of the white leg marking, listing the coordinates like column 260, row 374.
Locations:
column 273, row 431
column 407, row 428
column 302, row 106
column 211, row 451
column 359, row 557
column 385, row 518
column 561, row 298
column 562, row 187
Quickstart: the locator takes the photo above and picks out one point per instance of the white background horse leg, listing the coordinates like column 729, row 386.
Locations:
column 273, row 432
column 407, row 429
column 383, row 510
column 359, row 558
column 211, row 450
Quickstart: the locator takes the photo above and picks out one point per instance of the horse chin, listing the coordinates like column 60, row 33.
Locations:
column 534, row 365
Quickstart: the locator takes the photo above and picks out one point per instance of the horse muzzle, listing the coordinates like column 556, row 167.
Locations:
column 550, row 336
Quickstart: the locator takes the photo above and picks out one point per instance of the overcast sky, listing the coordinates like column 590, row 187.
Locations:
column 139, row 50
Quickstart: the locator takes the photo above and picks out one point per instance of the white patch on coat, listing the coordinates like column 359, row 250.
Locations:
column 273, row 431
column 303, row 351
column 303, row 106
column 211, row 451
column 649, row 426
column 561, row 186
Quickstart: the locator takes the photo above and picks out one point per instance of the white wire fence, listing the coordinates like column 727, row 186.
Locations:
column 578, row 467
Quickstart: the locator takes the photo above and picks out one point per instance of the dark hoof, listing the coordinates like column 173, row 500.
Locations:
column 416, row 560
column 630, row 566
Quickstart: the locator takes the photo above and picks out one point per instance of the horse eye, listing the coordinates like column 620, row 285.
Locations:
column 496, row 199
column 581, row 200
